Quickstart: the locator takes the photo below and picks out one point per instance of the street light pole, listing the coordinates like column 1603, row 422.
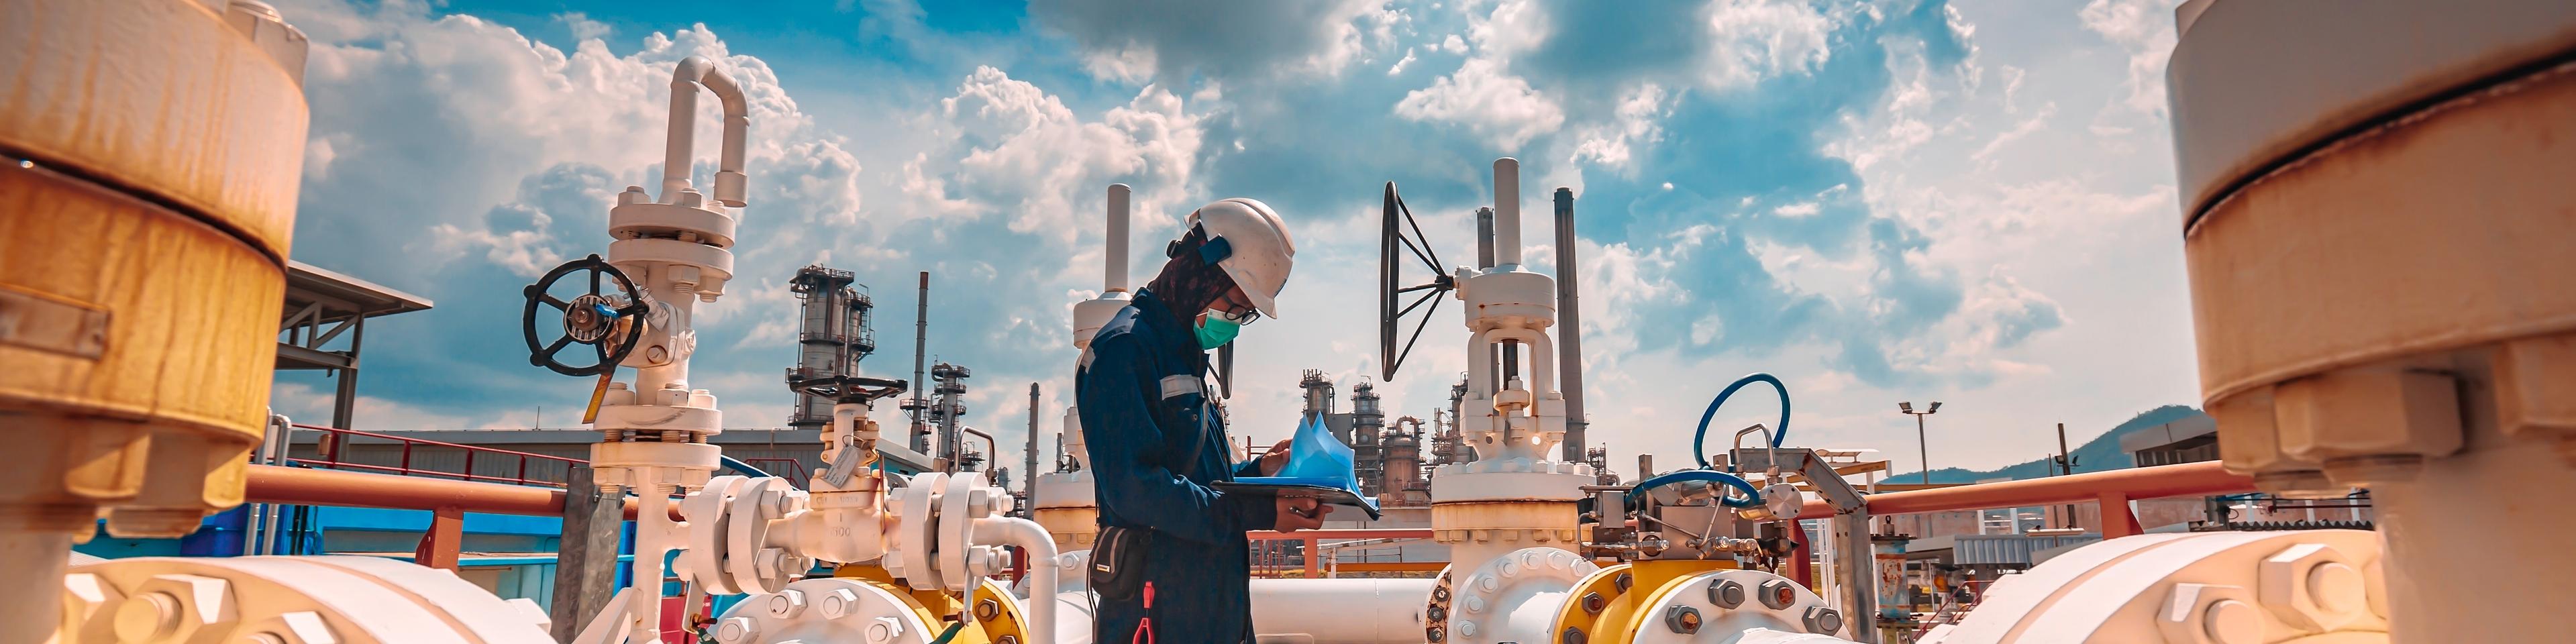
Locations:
column 1920, row 442
column 1925, row 445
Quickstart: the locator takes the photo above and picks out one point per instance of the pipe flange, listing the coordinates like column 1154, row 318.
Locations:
column 702, row 560
column 916, row 536
column 753, row 506
column 1509, row 581
column 955, row 526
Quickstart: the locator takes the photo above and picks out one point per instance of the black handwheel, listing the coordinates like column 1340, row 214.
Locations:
column 1392, row 247
column 591, row 318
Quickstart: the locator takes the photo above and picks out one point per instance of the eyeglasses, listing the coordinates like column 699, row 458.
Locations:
column 1240, row 314
column 1244, row 317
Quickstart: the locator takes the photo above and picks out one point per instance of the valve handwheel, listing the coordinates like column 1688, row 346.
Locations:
column 608, row 322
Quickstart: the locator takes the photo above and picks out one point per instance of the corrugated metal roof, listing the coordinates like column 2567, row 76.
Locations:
column 2168, row 433
column 1993, row 549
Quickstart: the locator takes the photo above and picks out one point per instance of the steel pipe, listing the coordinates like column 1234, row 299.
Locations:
column 1357, row 611
column 2206, row 477
column 300, row 486
column 1507, row 212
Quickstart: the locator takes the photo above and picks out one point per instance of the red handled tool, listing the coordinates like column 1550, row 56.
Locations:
column 1145, row 625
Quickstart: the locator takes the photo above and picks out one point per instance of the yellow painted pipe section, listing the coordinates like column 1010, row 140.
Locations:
column 1619, row 618
column 990, row 617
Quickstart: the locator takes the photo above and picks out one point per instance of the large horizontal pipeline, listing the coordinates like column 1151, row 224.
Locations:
column 1360, row 533
column 304, row 486
column 2187, row 479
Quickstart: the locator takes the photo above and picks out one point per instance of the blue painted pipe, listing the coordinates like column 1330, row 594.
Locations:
column 740, row 466
column 1751, row 498
column 1699, row 440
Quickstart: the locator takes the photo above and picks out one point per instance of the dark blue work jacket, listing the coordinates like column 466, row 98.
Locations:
column 1156, row 442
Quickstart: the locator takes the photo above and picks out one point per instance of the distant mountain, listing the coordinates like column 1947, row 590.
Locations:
column 2101, row 453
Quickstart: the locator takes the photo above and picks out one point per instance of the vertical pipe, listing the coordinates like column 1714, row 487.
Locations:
column 1856, row 566
column 1569, row 328
column 1029, row 460
column 1507, row 212
column 35, row 556
column 920, row 335
column 1484, row 238
column 1116, row 279
column 2065, row 466
column 652, row 541
column 680, row 139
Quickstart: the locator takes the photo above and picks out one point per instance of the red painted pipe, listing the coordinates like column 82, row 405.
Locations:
column 2187, row 479
column 301, row 486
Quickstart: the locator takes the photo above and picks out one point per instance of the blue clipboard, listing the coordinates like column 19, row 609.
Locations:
column 1322, row 489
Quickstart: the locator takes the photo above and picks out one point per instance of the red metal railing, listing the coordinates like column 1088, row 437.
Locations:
column 332, row 450
column 782, row 467
column 2112, row 489
column 1273, row 559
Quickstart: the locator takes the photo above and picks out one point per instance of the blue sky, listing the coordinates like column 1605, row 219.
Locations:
column 1879, row 201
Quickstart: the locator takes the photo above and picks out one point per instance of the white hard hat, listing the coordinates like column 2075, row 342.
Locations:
column 1251, row 245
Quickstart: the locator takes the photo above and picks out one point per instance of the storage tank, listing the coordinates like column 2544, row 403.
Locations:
column 2378, row 227
column 150, row 153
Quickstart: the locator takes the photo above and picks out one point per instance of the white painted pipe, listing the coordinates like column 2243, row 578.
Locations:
column 1073, row 618
column 1507, row 212
column 680, row 145
column 654, row 539
column 1116, row 279
column 1339, row 611
column 1034, row 544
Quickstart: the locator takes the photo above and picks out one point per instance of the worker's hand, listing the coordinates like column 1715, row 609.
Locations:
column 1300, row 513
column 1276, row 458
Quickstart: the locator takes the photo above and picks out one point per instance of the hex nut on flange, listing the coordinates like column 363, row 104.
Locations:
column 86, row 599
column 1726, row 593
column 737, row 629
column 2312, row 586
column 1823, row 620
column 987, row 609
column 787, row 604
column 1682, row 619
column 839, row 603
column 2209, row 614
column 884, row 629
column 1777, row 594
column 176, row 608
column 299, row 627
column 1594, row 602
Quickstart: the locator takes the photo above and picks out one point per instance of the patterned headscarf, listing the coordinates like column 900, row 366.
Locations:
column 1188, row 284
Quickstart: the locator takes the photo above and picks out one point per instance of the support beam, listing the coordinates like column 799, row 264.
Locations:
column 586, row 558
column 441, row 541
column 2117, row 521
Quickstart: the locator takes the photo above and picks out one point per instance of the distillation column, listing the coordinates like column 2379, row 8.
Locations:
column 2376, row 219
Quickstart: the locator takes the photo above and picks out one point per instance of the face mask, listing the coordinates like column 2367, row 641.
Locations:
column 1214, row 331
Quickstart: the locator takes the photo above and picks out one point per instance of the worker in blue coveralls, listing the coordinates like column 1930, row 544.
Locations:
column 1158, row 439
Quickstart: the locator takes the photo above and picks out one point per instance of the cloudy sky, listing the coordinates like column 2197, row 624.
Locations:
column 1968, row 202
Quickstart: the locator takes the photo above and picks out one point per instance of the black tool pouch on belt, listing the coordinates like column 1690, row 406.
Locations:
column 1118, row 562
